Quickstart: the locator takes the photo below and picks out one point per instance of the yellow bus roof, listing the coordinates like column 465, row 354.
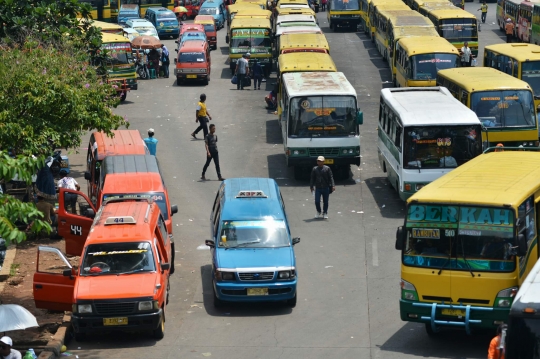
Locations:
column 391, row 6
column 374, row 3
column 474, row 79
column 292, row 2
column 107, row 38
column 427, row 45
column 306, row 62
column 106, row 25
column 456, row 13
column 411, row 31
column 521, row 52
column 408, row 19
column 234, row 8
column 250, row 23
column 254, row 12
column 495, row 178
column 438, row 6
column 295, row 11
column 204, row 21
column 303, row 41
column 421, row 3
column 388, row 13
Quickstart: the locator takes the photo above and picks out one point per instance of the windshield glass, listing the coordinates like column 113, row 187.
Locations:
column 118, row 258
column 191, row 57
column 158, row 197
column 440, row 146
column 460, row 237
column 208, row 11
column 500, row 109
column 269, row 233
column 344, row 5
column 167, row 15
column 323, row 116
column 296, row 23
column 119, row 53
column 523, row 340
column 148, row 31
column 530, row 73
column 128, row 15
column 209, row 28
column 255, row 41
column 459, row 29
column 425, row 67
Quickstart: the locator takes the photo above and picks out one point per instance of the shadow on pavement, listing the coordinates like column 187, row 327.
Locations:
column 386, row 197
column 273, row 132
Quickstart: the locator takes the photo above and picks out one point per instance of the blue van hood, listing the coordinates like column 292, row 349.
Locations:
column 255, row 257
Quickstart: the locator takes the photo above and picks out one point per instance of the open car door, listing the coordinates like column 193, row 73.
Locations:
column 75, row 217
column 53, row 287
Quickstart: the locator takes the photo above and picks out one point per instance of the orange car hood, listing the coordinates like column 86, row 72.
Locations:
column 116, row 286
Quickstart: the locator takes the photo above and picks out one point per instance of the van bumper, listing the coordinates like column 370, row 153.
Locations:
column 188, row 76
column 173, row 32
column 237, row 292
column 479, row 317
column 135, row 322
column 312, row 161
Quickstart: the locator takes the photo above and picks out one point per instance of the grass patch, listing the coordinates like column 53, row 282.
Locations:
column 13, row 269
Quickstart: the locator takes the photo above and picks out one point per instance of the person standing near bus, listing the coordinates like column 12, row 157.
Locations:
column 496, row 346
column 151, row 142
column 509, row 28
column 484, row 9
column 466, row 55
column 322, row 182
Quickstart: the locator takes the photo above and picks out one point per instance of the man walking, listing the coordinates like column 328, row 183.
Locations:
column 509, row 27
column 202, row 116
column 165, row 61
column 322, row 180
column 210, row 143
column 151, row 142
column 484, row 9
column 242, row 70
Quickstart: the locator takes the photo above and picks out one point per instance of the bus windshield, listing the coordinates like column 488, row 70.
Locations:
column 440, row 146
column 523, row 340
column 459, row 29
column 344, row 5
column 323, row 116
column 119, row 52
column 500, row 109
column 426, row 66
column 254, row 234
column 255, row 41
column 530, row 73
column 460, row 237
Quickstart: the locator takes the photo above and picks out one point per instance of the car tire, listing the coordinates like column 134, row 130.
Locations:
column 178, row 81
column 80, row 337
column 159, row 333
column 291, row 303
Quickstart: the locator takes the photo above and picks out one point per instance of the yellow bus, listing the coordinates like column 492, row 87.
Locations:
column 364, row 20
column 457, row 26
column 468, row 242
column 107, row 10
column 261, row 3
column 402, row 32
column 511, row 11
column 379, row 5
column 302, row 62
column 343, row 13
column 108, row 28
column 417, row 4
column 418, row 59
column 518, row 60
column 120, row 63
column 423, row 10
column 504, row 104
column 302, row 42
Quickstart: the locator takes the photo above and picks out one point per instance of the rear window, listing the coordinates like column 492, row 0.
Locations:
column 209, row 27
column 192, row 57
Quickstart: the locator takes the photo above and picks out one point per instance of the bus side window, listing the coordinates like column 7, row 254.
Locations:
column 527, row 217
column 516, row 69
column 386, row 121
column 464, row 98
column 397, row 137
column 392, row 126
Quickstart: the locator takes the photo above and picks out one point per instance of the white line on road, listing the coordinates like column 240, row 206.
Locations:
column 375, row 252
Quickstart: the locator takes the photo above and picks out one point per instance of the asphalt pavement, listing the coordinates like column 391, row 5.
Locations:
column 348, row 269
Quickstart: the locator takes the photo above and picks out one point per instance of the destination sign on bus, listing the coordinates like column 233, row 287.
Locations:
column 455, row 214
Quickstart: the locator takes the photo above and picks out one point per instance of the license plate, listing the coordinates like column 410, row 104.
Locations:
column 191, row 76
column 115, row 321
column 168, row 30
column 257, row 291
column 329, row 162
column 454, row 312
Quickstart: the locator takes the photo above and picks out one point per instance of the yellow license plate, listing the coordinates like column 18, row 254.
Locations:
column 115, row 321
column 257, row 291
column 329, row 162
column 454, row 312
column 191, row 76
column 168, row 30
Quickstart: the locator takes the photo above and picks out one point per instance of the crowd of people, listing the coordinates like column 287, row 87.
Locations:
column 156, row 60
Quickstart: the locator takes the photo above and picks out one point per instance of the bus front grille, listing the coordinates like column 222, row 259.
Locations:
column 324, row 151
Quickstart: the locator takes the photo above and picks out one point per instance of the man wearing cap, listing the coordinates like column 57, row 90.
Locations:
column 69, row 183
column 5, row 349
column 509, row 28
column 242, row 70
column 151, row 142
column 323, row 180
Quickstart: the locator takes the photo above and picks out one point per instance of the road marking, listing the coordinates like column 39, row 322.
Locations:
column 375, row 253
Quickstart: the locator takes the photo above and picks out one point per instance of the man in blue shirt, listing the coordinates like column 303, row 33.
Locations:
column 165, row 60
column 151, row 142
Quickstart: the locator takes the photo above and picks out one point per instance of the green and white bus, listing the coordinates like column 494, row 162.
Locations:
column 320, row 117
column 424, row 133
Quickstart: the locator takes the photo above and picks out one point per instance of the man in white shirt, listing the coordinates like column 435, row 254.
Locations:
column 5, row 349
column 69, row 183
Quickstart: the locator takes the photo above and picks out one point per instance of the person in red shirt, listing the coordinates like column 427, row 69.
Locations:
column 496, row 348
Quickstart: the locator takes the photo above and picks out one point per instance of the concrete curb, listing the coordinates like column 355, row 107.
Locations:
column 6, row 267
column 52, row 350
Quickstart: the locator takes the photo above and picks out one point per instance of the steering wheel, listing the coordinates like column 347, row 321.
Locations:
column 101, row 265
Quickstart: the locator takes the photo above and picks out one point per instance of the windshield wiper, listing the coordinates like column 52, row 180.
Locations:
column 244, row 244
column 465, row 259
column 132, row 271
column 446, row 262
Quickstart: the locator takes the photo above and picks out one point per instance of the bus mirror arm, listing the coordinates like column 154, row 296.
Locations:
column 521, row 246
column 399, row 238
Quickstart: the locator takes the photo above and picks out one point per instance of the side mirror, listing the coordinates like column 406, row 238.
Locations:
column 360, row 117
column 87, row 176
column 165, row 266
column 210, row 243
column 90, row 213
column 295, row 240
column 521, row 246
column 174, row 209
column 400, row 238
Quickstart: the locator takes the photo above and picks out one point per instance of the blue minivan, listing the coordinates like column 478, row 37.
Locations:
column 217, row 9
column 164, row 20
column 252, row 249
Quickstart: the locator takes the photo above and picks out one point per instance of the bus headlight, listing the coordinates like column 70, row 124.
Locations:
column 505, row 297
column 408, row 291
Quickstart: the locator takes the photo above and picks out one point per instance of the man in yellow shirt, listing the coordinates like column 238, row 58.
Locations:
column 484, row 9
column 202, row 117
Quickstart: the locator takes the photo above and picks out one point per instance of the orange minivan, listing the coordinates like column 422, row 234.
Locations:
column 131, row 177
column 193, row 62
column 209, row 28
column 124, row 142
column 121, row 282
